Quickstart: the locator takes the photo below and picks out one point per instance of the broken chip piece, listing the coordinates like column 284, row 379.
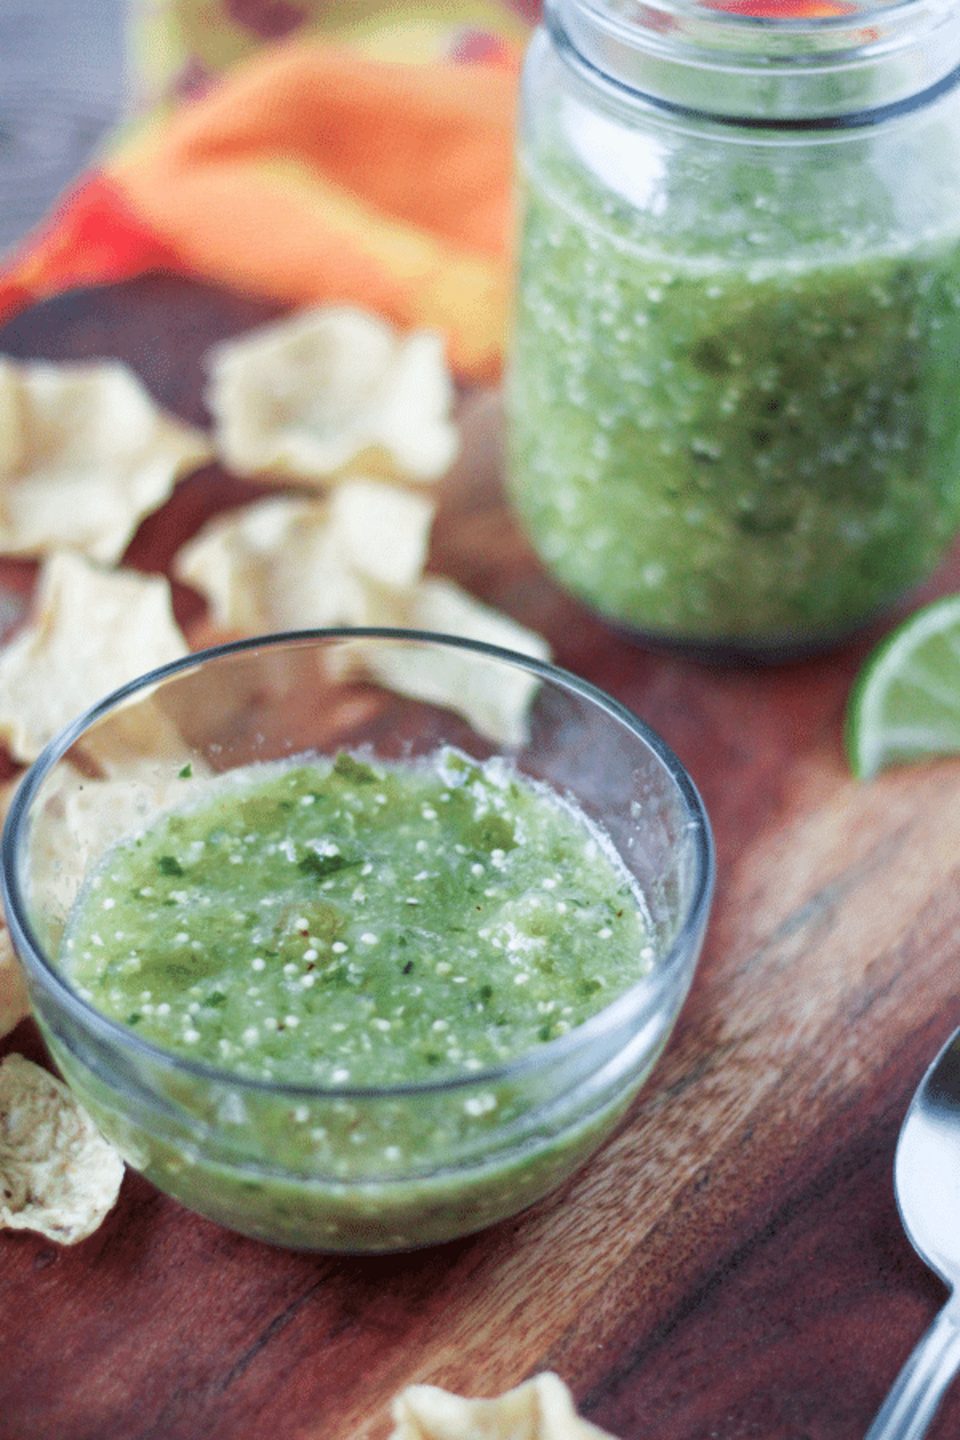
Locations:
column 540, row 1409
column 332, row 387
column 58, row 1176
column 85, row 454
column 496, row 707
column 90, row 631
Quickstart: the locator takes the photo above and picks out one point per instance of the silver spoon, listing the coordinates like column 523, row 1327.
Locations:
column 927, row 1185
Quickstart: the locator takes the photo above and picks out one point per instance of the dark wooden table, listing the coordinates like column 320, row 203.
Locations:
column 731, row 1265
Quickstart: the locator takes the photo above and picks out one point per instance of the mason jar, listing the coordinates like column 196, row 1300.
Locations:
column 733, row 383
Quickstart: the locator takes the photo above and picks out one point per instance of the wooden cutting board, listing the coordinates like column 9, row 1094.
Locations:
column 732, row 1263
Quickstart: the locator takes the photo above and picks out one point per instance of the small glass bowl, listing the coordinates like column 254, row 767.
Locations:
column 355, row 1168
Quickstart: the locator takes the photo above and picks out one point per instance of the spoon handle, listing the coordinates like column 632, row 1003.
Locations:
column 918, row 1389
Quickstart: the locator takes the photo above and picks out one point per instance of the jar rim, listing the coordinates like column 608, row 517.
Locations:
column 723, row 59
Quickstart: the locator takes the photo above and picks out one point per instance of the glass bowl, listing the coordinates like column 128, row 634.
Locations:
column 355, row 1167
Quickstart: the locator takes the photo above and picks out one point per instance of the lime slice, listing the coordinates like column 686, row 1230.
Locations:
column 905, row 702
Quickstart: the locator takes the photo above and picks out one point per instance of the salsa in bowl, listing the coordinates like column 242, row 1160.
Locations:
column 357, row 940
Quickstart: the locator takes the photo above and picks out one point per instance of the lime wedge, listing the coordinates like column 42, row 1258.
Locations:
column 905, row 701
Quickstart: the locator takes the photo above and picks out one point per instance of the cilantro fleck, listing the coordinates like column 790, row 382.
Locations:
column 169, row 865
column 492, row 832
column 350, row 769
column 310, row 863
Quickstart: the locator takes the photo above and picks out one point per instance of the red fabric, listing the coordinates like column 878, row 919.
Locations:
column 782, row 9
column 94, row 235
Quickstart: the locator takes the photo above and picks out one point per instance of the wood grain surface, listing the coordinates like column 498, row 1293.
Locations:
column 731, row 1264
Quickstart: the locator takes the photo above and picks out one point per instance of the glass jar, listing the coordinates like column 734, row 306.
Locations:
column 733, row 387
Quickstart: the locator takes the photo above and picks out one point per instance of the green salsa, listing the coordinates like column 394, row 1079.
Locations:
column 349, row 926
column 342, row 923
column 739, row 423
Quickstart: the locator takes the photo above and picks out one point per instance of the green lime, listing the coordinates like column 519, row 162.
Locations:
column 905, row 702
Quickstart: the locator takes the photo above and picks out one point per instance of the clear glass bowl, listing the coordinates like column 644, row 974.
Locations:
column 355, row 1168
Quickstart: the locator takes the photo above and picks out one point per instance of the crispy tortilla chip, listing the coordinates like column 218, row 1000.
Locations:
column 14, row 442
column 496, row 702
column 13, row 607
column 78, row 818
column 91, row 631
column 332, row 387
column 14, row 1000
column 381, row 532
column 58, row 1175
column 232, row 559
column 85, row 453
column 286, row 563
column 540, row 1409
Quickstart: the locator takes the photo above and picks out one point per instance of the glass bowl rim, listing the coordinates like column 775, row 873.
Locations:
column 639, row 996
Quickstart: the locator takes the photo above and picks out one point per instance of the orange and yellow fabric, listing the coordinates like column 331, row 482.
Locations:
column 303, row 152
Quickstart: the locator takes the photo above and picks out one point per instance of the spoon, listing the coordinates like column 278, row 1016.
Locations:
column 927, row 1185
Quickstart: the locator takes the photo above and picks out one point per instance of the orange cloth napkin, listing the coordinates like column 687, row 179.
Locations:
column 287, row 158
column 312, row 172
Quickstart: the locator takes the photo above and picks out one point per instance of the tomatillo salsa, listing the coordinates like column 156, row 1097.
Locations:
column 741, row 424
column 346, row 924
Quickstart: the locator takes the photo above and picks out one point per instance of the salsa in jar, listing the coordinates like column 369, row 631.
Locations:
column 734, row 421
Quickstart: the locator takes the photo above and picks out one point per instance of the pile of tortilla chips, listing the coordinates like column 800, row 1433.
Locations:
column 346, row 424
column 349, row 421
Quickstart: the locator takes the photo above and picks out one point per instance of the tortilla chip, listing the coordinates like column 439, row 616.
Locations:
column 58, row 1176
column 540, row 1409
column 332, row 387
column 495, row 701
column 14, row 443
column 231, row 560
column 14, row 999
column 85, row 454
column 381, row 532
column 78, row 818
column 286, row 563
column 14, row 606
column 91, row 631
